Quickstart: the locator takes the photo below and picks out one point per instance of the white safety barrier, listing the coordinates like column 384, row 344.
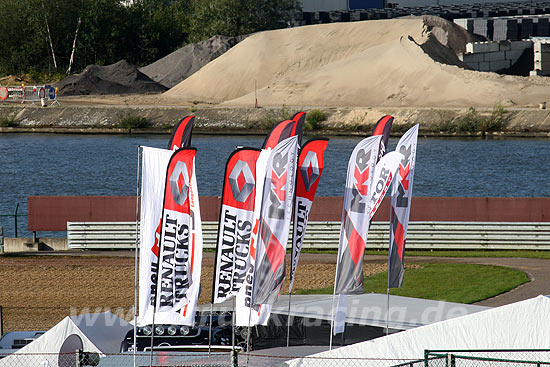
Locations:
column 325, row 235
column 30, row 94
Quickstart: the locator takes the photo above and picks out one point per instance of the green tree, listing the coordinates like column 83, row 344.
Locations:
column 238, row 17
column 140, row 31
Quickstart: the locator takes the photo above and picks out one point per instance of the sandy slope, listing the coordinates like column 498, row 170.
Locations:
column 369, row 63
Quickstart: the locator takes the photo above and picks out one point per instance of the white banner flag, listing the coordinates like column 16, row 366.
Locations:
column 154, row 163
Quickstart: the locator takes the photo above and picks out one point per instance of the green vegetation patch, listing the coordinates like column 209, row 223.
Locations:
column 473, row 122
column 314, row 118
column 129, row 120
column 8, row 121
column 463, row 283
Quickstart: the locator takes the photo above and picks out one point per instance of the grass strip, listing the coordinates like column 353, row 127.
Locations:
column 463, row 283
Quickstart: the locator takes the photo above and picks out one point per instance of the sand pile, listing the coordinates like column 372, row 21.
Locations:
column 119, row 78
column 397, row 62
column 180, row 64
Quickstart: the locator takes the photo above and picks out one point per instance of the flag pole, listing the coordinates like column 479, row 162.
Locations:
column 233, row 324
column 388, row 312
column 248, row 334
column 210, row 329
column 136, row 258
column 288, row 320
column 153, row 331
column 331, row 322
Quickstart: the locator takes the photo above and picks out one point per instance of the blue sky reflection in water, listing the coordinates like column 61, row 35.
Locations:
column 51, row 164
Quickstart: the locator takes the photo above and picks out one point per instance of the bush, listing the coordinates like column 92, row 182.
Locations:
column 8, row 121
column 496, row 121
column 313, row 119
column 473, row 122
column 272, row 118
column 469, row 122
column 128, row 120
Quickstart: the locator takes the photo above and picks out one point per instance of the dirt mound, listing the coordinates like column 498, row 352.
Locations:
column 119, row 78
column 399, row 62
column 182, row 63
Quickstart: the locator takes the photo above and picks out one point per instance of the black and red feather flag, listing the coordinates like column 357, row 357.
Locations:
column 383, row 128
column 284, row 130
column 181, row 136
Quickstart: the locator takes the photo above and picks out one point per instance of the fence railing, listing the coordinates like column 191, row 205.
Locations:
column 29, row 94
column 490, row 357
column 229, row 358
column 15, row 215
column 325, row 235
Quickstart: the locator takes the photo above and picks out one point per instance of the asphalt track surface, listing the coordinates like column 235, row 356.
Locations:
column 538, row 270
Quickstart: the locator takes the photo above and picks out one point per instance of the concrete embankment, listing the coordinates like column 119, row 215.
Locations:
column 106, row 119
column 28, row 244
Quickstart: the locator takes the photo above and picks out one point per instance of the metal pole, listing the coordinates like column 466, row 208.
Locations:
column 210, row 329
column 15, row 218
column 331, row 322
column 136, row 256
column 248, row 334
column 288, row 321
column 388, row 312
column 1, row 322
column 153, row 333
column 234, row 358
column 233, row 323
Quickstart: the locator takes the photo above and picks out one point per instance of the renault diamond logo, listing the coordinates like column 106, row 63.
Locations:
column 310, row 170
column 179, row 183
column 241, row 181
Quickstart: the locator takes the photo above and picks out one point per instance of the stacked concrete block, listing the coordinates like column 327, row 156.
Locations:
column 449, row 11
column 505, row 29
column 541, row 54
column 542, row 27
column 516, row 28
column 480, row 27
column 493, row 56
column 525, row 28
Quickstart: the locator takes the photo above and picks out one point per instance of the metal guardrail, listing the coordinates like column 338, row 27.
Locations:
column 325, row 235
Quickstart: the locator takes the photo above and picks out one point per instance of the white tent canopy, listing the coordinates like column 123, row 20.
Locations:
column 100, row 333
column 521, row 325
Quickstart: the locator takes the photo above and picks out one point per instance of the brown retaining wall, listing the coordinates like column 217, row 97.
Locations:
column 51, row 213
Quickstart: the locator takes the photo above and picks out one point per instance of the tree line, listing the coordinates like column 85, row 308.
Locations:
column 43, row 36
